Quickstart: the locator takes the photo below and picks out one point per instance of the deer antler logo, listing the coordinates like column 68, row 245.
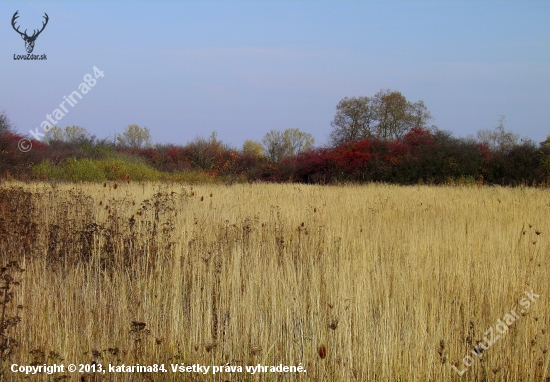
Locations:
column 29, row 40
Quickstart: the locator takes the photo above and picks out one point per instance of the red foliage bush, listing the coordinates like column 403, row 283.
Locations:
column 17, row 162
column 418, row 137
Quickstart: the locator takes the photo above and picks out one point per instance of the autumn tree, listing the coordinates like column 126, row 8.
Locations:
column 253, row 148
column 281, row 144
column 71, row 134
column 387, row 116
column 354, row 120
column 274, row 144
column 397, row 116
column 298, row 141
column 135, row 137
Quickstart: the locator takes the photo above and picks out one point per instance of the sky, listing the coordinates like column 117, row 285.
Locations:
column 184, row 69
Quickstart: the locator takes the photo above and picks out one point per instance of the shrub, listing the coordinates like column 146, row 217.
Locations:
column 83, row 170
column 45, row 170
column 121, row 168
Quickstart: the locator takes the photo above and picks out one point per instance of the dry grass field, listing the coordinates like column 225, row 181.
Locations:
column 353, row 283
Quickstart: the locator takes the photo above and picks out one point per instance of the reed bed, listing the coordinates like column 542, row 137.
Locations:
column 354, row 283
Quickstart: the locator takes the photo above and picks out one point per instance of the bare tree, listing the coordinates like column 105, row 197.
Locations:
column 388, row 116
column 498, row 138
column 5, row 123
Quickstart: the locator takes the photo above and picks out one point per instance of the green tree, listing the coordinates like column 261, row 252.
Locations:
column 281, row 144
column 135, row 137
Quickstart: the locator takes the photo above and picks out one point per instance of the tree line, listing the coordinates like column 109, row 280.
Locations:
column 383, row 138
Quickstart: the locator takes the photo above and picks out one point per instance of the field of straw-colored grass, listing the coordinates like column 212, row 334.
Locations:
column 355, row 283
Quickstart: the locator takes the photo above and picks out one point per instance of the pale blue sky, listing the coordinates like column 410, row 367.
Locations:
column 242, row 68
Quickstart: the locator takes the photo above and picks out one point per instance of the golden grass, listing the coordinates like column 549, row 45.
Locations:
column 366, row 283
